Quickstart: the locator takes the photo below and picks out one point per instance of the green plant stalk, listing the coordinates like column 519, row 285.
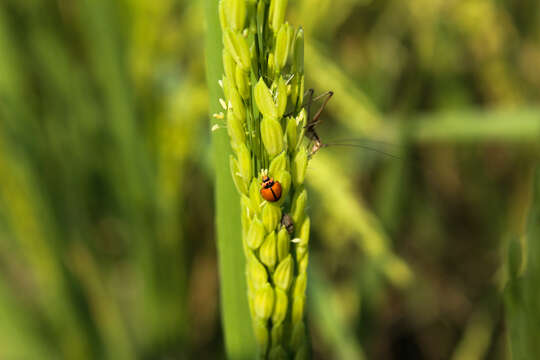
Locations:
column 263, row 86
column 522, row 295
column 239, row 339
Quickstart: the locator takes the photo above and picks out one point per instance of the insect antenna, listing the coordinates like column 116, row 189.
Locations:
column 366, row 147
column 365, row 140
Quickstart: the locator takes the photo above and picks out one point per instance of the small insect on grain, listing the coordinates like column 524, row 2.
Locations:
column 287, row 223
column 270, row 189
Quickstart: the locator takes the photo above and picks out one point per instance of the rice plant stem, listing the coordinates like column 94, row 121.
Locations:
column 239, row 339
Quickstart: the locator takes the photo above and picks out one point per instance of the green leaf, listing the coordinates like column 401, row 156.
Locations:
column 239, row 339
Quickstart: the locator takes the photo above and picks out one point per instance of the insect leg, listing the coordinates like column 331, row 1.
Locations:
column 319, row 97
column 328, row 96
column 308, row 99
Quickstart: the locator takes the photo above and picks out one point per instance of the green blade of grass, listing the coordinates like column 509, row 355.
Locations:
column 335, row 191
column 522, row 291
column 19, row 338
column 508, row 125
column 239, row 340
column 328, row 318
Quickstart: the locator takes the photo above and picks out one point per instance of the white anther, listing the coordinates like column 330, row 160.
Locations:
column 223, row 103
column 218, row 115
column 289, row 79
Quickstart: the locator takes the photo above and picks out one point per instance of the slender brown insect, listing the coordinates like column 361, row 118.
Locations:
column 310, row 133
column 315, row 140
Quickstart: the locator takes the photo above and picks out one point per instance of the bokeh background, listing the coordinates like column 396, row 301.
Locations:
column 107, row 240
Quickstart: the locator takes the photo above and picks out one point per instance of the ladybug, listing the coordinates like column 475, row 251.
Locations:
column 270, row 189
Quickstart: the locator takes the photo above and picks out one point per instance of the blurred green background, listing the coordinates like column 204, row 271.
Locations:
column 107, row 246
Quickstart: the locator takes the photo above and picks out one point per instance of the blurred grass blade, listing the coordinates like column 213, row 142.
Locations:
column 522, row 293
column 330, row 320
column 104, row 309
column 477, row 337
column 355, row 219
column 24, row 214
column 239, row 340
column 351, row 105
column 19, row 335
column 509, row 125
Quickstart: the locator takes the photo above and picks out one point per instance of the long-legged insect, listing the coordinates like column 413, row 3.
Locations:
column 310, row 132
column 315, row 141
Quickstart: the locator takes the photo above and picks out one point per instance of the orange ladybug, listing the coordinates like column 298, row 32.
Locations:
column 270, row 189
